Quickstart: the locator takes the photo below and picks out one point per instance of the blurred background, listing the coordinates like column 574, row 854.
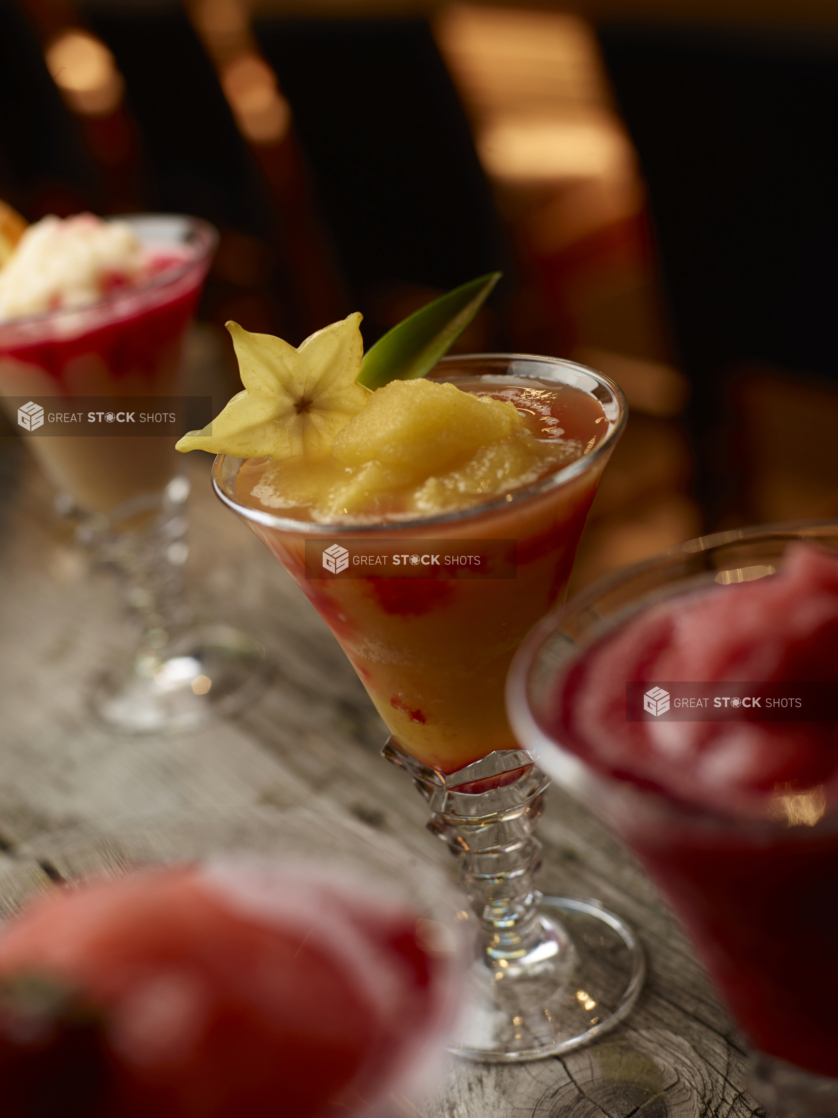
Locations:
column 657, row 181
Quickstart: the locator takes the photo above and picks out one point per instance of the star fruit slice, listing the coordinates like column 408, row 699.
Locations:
column 12, row 228
column 294, row 400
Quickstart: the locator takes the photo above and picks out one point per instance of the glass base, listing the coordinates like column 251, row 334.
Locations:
column 584, row 980
column 208, row 672
column 787, row 1091
column 551, row 973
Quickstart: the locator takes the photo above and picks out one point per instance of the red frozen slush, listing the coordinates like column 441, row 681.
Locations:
column 739, row 824
column 217, row 991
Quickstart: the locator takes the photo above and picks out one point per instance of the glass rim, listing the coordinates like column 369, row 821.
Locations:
column 785, row 529
column 543, row 485
column 206, row 242
column 526, row 726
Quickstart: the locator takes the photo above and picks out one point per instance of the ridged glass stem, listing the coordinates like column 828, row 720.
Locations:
column 498, row 856
column 144, row 539
column 489, row 829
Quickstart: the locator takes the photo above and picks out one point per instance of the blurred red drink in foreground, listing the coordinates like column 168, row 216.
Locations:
column 237, row 988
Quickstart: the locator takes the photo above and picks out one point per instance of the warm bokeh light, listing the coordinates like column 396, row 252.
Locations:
column 744, row 574
column 513, row 59
column 652, row 387
column 84, row 70
column 523, row 149
column 585, row 999
column 799, row 809
column 223, row 22
column 262, row 113
column 535, row 89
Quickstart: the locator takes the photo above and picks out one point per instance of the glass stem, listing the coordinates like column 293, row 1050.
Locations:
column 144, row 540
column 488, row 827
column 498, row 855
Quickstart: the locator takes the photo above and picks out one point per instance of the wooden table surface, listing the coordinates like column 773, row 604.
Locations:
column 312, row 737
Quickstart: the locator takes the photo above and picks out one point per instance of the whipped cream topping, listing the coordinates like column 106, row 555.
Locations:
column 68, row 263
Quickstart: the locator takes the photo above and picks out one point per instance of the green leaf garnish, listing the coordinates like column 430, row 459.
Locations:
column 412, row 348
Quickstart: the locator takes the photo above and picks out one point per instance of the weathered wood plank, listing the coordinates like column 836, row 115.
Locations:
column 20, row 878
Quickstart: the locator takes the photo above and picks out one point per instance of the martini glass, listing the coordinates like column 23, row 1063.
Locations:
column 758, row 895
column 126, row 494
column 433, row 654
column 351, row 887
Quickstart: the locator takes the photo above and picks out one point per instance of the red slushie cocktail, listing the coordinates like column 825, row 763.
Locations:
column 217, row 989
column 736, row 820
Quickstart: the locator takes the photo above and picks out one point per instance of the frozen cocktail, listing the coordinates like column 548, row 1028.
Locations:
column 431, row 522
column 433, row 652
column 92, row 308
column 499, row 453
column 93, row 314
column 735, row 815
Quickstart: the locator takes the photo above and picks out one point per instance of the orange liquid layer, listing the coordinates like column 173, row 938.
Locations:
column 434, row 653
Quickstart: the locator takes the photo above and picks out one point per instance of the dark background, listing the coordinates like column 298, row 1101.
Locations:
column 712, row 300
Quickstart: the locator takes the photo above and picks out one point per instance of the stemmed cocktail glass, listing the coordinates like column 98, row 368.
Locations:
column 756, row 892
column 126, row 493
column 433, row 654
